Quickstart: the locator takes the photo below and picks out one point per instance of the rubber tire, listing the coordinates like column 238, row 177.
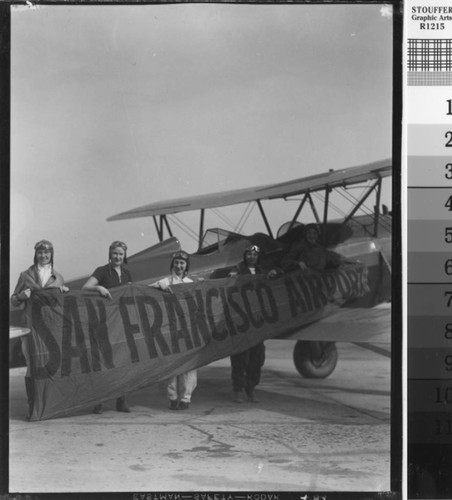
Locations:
column 308, row 359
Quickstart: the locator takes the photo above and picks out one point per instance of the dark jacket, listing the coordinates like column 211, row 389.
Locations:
column 242, row 268
column 315, row 256
column 109, row 278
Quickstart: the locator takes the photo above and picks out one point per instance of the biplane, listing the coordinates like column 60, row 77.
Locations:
column 362, row 233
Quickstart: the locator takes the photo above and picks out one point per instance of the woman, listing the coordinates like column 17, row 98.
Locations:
column 246, row 365
column 109, row 276
column 39, row 276
column 309, row 254
column 179, row 387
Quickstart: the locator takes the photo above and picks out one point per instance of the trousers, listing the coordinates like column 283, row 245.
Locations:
column 181, row 386
column 246, row 368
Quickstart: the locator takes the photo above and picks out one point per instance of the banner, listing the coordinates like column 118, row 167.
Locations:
column 85, row 349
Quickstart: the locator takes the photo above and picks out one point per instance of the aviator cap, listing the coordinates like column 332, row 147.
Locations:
column 180, row 255
column 43, row 245
column 252, row 248
column 117, row 244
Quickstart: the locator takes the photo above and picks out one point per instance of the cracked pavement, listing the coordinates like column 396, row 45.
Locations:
column 303, row 435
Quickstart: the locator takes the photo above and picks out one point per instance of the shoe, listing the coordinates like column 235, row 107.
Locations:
column 173, row 404
column 183, row 405
column 121, row 405
column 238, row 397
column 251, row 396
column 98, row 409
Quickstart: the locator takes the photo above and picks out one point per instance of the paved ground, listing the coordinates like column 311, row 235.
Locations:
column 303, row 435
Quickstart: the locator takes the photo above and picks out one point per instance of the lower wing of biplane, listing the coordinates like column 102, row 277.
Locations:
column 315, row 353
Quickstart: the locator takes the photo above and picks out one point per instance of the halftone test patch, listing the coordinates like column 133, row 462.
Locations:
column 429, row 61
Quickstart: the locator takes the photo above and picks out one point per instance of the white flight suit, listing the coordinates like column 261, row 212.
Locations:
column 180, row 387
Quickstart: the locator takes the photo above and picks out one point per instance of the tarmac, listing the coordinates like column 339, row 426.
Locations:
column 303, row 434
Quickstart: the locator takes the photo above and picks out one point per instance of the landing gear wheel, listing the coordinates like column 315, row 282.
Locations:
column 315, row 359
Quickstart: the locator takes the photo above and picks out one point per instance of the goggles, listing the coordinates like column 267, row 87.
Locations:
column 253, row 248
column 43, row 245
column 181, row 255
column 117, row 244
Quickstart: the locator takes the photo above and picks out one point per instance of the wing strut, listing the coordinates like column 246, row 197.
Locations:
column 267, row 225
column 385, row 260
column 314, row 211
column 325, row 206
column 374, row 348
column 363, row 199
column 159, row 227
column 377, row 210
column 201, row 228
column 297, row 213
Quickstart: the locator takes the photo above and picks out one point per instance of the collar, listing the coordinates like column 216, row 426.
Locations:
column 44, row 268
column 113, row 268
column 35, row 269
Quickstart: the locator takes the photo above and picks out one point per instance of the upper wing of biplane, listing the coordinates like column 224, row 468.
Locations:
column 331, row 179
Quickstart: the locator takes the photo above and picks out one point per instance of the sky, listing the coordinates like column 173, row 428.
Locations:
column 114, row 107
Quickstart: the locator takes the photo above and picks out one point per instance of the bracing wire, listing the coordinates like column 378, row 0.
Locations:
column 343, row 192
column 184, row 227
column 321, row 198
column 245, row 216
column 223, row 217
column 353, row 200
